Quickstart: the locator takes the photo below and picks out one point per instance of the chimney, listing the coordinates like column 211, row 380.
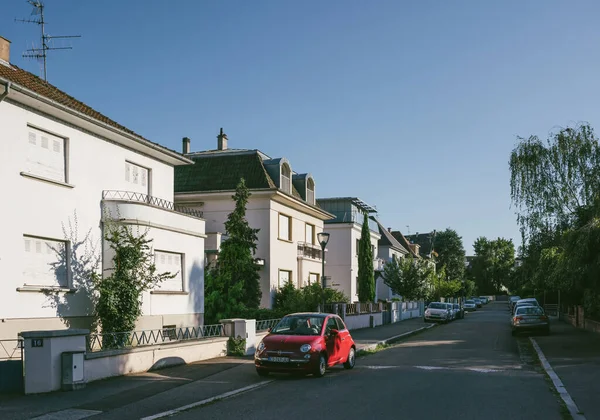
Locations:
column 390, row 229
column 4, row 49
column 186, row 145
column 222, row 141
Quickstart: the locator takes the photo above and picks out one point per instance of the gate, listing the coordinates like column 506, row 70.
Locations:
column 11, row 366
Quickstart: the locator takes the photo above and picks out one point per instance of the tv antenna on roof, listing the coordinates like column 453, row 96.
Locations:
column 408, row 229
column 41, row 53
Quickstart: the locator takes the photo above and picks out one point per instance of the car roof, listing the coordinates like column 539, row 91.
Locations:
column 313, row 314
column 527, row 300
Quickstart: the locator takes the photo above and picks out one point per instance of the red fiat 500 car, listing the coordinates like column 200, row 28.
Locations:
column 306, row 343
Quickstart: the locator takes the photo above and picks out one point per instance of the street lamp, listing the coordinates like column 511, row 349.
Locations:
column 323, row 238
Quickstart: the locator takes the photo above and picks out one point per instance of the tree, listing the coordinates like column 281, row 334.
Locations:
column 555, row 187
column 366, row 273
column 451, row 253
column 133, row 272
column 234, row 284
column 407, row 277
column 493, row 264
column 442, row 286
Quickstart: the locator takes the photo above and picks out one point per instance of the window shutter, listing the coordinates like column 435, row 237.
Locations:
column 45, row 158
column 169, row 262
column 46, row 262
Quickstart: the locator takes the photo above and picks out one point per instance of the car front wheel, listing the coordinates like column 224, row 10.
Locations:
column 321, row 367
column 349, row 364
column 262, row 372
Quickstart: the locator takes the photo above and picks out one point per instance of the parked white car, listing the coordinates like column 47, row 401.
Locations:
column 437, row 312
column 470, row 305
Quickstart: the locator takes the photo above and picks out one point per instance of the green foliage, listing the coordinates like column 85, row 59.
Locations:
column 233, row 286
column 407, row 277
column 120, row 294
column 493, row 264
column 451, row 253
column 366, row 273
column 555, row 186
column 289, row 299
column 236, row 346
column 442, row 286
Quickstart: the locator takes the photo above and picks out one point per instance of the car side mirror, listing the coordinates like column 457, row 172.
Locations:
column 333, row 331
column 269, row 329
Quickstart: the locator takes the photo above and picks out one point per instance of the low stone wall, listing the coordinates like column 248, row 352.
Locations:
column 105, row 364
column 355, row 322
column 593, row 326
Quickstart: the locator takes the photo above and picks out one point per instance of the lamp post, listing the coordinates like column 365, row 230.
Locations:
column 323, row 238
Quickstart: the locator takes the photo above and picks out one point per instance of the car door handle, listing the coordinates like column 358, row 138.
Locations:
column 343, row 338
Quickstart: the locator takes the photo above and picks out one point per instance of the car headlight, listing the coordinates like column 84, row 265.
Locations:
column 305, row 348
column 427, row 312
column 261, row 346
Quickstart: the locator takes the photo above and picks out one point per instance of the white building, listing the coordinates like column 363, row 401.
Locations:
column 345, row 232
column 282, row 205
column 63, row 165
column 389, row 247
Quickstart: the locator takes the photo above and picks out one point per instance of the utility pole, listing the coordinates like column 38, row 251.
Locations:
column 41, row 53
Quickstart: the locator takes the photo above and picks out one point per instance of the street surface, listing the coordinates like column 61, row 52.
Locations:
column 468, row 369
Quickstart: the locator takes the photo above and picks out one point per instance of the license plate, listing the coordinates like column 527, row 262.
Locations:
column 279, row 359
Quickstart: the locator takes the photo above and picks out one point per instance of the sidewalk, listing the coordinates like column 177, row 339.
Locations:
column 145, row 394
column 574, row 355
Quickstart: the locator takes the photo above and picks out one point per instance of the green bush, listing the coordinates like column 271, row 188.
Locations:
column 289, row 299
column 236, row 346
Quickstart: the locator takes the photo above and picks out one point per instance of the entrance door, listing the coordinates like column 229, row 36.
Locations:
column 11, row 366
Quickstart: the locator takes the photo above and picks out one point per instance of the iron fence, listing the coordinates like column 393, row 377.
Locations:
column 11, row 349
column 150, row 200
column 265, row 324
column 125, row 340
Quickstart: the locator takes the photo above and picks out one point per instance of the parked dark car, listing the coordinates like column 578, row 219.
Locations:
column 306, row 343
column 460, row 311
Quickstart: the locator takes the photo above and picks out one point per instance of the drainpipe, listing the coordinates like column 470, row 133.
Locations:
column 6, row 91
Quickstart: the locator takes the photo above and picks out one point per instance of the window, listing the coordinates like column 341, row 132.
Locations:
column 313, row 278
column 331, row 325
column 46, row 262
column 310, row 191
column 373, row 251
column 357, row 246
column 138, row 178
column 173, row 263
column 285, row 276
column 286, row 178
column 310, row 234
column 46, row 155
column 285, row 227
column 340, row 323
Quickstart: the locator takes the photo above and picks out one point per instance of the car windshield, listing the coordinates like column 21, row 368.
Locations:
column 436, row 305
column 470, row 302
column 529, row 310
column 299, row 325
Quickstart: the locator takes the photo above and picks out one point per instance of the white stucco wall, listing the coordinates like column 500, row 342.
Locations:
column 383, row 291
column 42, row 209
column 342, row 257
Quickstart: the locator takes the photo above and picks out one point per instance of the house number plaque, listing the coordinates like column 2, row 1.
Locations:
column 37, row 342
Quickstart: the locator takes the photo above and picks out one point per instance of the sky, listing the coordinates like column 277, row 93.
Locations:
column 412, row 106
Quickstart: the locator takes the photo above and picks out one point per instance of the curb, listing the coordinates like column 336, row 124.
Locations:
column 558, row 385
column 373, row 346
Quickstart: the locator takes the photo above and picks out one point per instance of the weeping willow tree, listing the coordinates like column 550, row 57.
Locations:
column 555, row 187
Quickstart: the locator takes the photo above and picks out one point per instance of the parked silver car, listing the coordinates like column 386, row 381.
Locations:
column 529, row 318
column 470, row 305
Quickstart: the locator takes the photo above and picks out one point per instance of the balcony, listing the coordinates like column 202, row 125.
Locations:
column 306, row 250
column 130, row 196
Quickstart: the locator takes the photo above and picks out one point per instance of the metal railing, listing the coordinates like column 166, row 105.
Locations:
column 309, row 250
column 125, row 340
column 11, row 349
column 265, row 324
column 150, row 200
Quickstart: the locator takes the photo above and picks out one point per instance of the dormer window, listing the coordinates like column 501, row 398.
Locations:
column 286, row 178
column 310, row 191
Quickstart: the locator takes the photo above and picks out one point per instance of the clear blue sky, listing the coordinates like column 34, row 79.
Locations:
column 412, row 106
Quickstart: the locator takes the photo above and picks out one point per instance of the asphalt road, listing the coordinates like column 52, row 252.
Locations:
column 468, row 369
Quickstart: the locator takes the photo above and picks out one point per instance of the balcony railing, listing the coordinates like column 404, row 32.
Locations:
column 150, row 200
column 309, row 251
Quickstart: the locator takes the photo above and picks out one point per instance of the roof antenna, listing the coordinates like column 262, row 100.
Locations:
column 408, row 229
column 41, row 53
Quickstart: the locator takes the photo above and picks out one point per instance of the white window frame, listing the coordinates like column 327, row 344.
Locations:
column 41, row 245
column 286, row 179
column 312, row 279
column 310, row 192
column 289, row 230
column 312, row 239
column 166, row 285
column 145, row 177
column 40, row 143
column 282, row 270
